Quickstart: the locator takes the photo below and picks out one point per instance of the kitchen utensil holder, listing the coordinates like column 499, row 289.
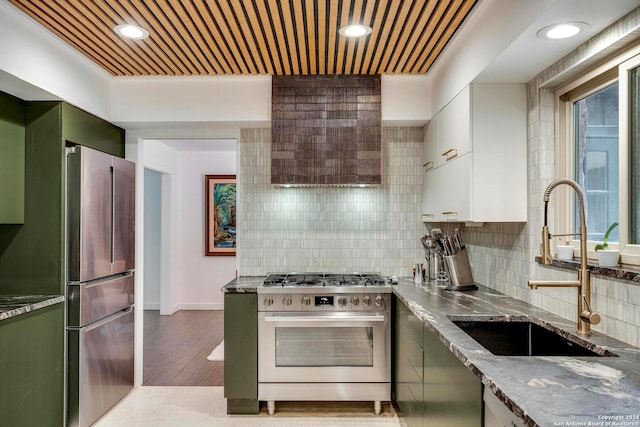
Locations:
column 460, row 271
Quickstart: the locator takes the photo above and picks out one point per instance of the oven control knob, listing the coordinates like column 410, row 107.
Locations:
column 355, row 301
column 366, row 301
column 379, row 301
column 286, row 301
column 268, row 301
column 342, row 301
column 306, row 300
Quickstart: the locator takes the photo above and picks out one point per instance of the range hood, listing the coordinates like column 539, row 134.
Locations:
column 325, row 131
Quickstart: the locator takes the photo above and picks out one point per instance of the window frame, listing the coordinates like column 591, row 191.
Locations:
column 616, row 70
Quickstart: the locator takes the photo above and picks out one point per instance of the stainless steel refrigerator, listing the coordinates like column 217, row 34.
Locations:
column 100, row 282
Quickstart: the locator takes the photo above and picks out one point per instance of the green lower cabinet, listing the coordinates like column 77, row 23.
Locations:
column 408, row 359
column 32, row 368
column 452, row 393
column 432, row 388
column 241, row 353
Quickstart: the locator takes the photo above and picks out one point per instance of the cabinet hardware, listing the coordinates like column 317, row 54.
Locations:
column 450, row 213
column 428, row 214
column 428, row 165
column 453, row 151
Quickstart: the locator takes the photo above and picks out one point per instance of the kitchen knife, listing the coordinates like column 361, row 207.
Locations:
column 458, row 235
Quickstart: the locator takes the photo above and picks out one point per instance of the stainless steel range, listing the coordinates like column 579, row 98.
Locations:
column 324, row 337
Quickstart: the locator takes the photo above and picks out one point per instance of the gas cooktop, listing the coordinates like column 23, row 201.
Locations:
column 323, row 280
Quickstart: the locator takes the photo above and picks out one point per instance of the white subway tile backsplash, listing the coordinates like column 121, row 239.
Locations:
column 322, row 229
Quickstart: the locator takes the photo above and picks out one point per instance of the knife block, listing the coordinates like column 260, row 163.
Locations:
column 460, row 271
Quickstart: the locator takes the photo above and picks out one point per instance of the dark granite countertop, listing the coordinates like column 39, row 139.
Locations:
column 541, row 390
column 14, row 305
column 243, row 285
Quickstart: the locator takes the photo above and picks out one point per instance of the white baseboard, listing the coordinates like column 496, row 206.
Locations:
column 200, row 306
column 151, row 306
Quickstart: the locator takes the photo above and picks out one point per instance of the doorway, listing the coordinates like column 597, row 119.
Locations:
column 180, row 315
column 174, row 340
column 152, row 238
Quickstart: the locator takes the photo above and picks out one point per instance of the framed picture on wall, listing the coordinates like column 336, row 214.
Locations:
column 220, row 211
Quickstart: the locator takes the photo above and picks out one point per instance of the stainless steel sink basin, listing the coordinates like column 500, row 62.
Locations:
column 509, row 336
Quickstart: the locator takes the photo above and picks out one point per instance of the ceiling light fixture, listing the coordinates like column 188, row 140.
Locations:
column 563, row 30
column 131, row 31
column 354, row 30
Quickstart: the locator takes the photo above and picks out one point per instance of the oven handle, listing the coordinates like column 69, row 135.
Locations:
column 271, row 317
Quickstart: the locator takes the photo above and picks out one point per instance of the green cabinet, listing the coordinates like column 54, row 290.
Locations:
column 241, row 353
column 432, row 387
column 408, row 369
column 452, row 393
column 32, row 255
column 32, row 367
column 12, row 134
column 33, row 138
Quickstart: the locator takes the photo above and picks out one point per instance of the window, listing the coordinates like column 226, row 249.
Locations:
column 634, row 158
column 599, row 148
column 595, row 122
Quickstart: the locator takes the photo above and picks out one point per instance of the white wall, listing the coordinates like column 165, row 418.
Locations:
column 195, row 279
column 491, row 27
column 152, row 240
column 30, row 53
column 405, row 100
column 244, row 101
column 229, row 99
column 200, row 278
column 161, row 158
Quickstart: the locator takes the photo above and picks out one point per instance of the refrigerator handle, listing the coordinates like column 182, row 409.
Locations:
column 105, row 320
column 113, row 213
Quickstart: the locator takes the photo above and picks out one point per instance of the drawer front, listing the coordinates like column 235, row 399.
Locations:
column 415, row 328
column 91, row 301
column 415, row 357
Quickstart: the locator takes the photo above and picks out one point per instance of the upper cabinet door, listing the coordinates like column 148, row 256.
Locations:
column 89, row 214
column 454, row 130
column 430, row 212
column 12, row 159
column 430, row 147
column 124, row 197
column 454, row 197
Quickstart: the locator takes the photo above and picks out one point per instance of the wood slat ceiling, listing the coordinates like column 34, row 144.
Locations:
column 278, row 37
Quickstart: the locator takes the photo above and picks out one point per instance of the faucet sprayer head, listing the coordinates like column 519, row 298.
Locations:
column 569, row 182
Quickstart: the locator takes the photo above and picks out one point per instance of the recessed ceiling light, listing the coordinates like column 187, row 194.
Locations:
column 563, row 30
column 355, row 30
column 131, row 31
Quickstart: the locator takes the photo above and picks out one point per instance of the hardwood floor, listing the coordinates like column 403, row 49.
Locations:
column 176, row 348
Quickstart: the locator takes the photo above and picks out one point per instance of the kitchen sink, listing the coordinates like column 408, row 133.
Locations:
column 509, row 336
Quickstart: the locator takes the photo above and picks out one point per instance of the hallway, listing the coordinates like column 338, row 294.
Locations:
column 176, row 348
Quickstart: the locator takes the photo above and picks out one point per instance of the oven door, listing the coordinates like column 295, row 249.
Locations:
column 329, row 347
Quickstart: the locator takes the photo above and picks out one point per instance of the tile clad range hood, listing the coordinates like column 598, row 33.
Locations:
column 325, row 130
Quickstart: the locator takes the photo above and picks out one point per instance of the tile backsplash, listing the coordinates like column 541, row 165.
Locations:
column 330, row 228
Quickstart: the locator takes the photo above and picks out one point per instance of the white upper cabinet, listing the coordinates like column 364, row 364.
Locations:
column 454, row 189
column 430, row 211
column 430, row 149
column 454, row 132
column 481, row 168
